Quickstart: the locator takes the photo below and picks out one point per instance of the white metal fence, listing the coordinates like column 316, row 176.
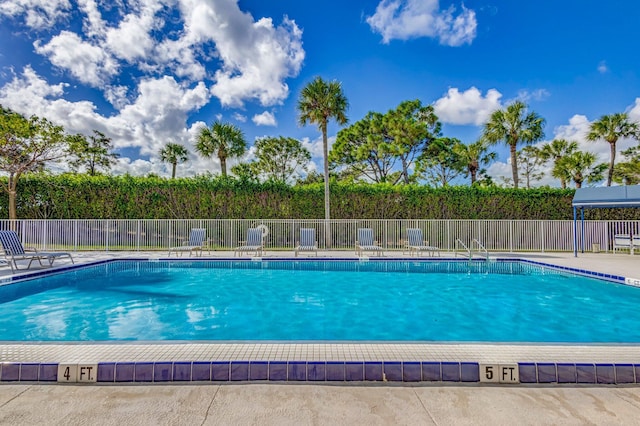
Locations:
column 226, row 234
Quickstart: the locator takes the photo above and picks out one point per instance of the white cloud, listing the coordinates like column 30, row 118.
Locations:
column 536, row 95
column 406, row 19
column 117, row 96
column 131, row 40
column 93, row 24
column 245, row 59
column 88, row 63
column 468, row 107
column 265, row 119
column 239, row 117
column 315, row 148
column 157, row 115
column 38, row 14
column 602, row 67
column 256, row 64
column 634, row 111
column 203, row 48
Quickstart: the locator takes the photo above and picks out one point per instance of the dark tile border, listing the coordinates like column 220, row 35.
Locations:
column 320, row 371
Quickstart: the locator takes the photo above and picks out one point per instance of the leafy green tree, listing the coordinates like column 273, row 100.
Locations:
column 556, row 150
column 628, row 172
column 514, row 125
column 529, row 162
column 473, row 157
column 311, row 178
column 224, row 140
column 26, row 145
column 245, row 172
column 279, row 159
column 410, row 129
column 319, row 102
column 364, row 148
column 611, row 128
column 440, row 162
column 581, row 166
column 174, row 153
column 92, row 153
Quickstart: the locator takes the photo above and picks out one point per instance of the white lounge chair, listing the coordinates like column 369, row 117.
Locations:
column 14, row 251
column 416, row 243
column 366, row 242
column 194, row 244
column 625, row 242
column 307, row 241
column 254, row 243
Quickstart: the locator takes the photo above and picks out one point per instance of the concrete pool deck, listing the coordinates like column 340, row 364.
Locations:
column 368, row 403
column 261, row 404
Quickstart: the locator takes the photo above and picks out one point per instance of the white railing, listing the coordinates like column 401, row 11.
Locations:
column 225, row 234
column 480, row 248
column 459, row 244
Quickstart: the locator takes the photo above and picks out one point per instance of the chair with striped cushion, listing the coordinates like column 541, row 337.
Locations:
column 366, row 242
column 254, row 243
column 416, row 244
column 14, row 251
column 195, row 243
column 307, row 241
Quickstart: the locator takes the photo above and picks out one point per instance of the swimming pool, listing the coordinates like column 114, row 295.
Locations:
column 319, row 301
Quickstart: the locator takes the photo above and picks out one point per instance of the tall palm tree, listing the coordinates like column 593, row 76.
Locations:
column 514, row 125
column 474, row 156
column 556, row 150
column 611, row 128
column 174, row 153
column 224, row 140
column 581, row 166
column 320, row 101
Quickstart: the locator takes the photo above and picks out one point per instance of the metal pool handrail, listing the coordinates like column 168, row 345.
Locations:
column 481, row 248
column 467, row 249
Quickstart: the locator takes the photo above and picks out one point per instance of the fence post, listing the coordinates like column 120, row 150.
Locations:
column 511, row 236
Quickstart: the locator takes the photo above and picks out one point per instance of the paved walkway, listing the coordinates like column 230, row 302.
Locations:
column 259, row 404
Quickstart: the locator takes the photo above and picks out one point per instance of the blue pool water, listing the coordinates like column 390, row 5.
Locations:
column 308, row 300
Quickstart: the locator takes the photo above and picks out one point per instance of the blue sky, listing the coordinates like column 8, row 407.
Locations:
column 147, row 72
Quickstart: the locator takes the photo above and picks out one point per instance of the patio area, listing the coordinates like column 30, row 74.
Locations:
column 361, row 402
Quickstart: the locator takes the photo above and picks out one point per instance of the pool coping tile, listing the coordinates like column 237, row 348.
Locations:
column 278, row 371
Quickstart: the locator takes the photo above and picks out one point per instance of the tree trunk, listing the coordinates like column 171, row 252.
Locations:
column 612, row 162
column 12, row 205
column 327, row 207
column 473, row 170
column 223, row 166
column 173, row 170
column 405, row 172
column 563, row 183
column 514, row 165
column 12, row 190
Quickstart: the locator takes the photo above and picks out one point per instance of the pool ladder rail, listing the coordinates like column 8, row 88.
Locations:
column 469, row 251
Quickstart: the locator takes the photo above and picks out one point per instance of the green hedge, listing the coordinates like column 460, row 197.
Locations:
column 125, row 197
